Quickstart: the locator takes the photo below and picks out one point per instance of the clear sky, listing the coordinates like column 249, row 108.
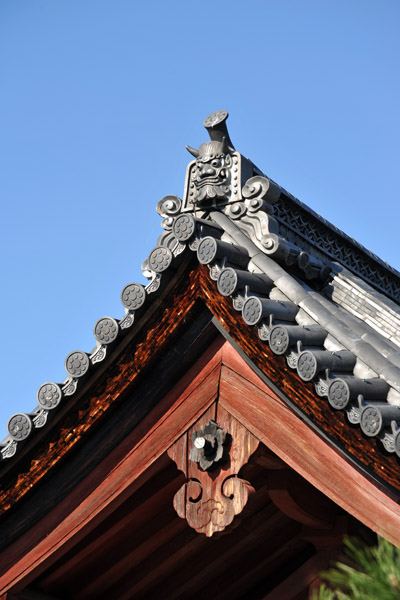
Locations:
column 97, row 101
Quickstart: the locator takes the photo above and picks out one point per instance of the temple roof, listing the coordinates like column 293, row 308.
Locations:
column 309, row 292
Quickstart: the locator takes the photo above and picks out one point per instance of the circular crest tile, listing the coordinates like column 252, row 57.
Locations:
column 184, row 227
column 207, row 250
column 133, row 296
column 227, row 282
column 160, row 259
column 49, row 395
column 252, row 311
column 279, row 340
column 106, row 330
column 307, row 366
column 19, row 427
column 371, row 421
column 77, row 364
column 338, row 394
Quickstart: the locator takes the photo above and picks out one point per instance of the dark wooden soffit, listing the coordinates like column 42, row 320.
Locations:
column 116, row 478
column 220, row 374
column 150, row 340
column 168, row 322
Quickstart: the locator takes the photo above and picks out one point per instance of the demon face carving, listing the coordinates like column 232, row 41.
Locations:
column 212, row 172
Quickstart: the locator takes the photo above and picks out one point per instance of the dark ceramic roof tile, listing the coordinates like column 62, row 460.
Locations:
column 273, row 256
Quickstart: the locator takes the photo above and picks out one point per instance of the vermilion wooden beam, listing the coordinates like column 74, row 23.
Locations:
column 219, row 372
column 81, row 511
column 303, row 449
column 112, row 535
column 110, row 578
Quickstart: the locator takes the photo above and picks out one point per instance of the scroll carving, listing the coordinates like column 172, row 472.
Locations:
column 260, row 188
column 213, row 494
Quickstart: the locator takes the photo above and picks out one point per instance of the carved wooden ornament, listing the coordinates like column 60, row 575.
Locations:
column 210, row 454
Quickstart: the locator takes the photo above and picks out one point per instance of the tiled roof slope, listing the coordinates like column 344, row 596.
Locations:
column 314, row 295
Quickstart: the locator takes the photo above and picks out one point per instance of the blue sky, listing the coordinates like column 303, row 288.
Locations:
column 98, row 99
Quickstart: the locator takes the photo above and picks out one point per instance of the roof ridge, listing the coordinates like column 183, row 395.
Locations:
column 230, row 203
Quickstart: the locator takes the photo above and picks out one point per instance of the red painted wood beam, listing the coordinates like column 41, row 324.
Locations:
column 252, row 403
column 81, row 511
column 259, row 409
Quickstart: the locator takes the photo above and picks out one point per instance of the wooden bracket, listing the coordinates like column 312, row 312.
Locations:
column 299, row 500
column 210, row 499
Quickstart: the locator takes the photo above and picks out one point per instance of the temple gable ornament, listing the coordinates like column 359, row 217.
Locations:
column 221, row 179
column 218, row 174
column 211, row 454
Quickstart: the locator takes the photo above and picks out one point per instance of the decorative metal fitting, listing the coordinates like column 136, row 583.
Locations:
column 210, row 446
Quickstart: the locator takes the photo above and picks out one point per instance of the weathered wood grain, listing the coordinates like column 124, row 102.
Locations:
column 116, row 476
column 264, row 414
column 366, row 489
column 210, row 500
column 115, row 533
column 367, row 452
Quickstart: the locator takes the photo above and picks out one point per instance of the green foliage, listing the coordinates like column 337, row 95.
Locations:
column 324, row 593
column 372, row 573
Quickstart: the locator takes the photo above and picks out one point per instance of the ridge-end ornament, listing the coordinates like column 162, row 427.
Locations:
column 218, row 174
